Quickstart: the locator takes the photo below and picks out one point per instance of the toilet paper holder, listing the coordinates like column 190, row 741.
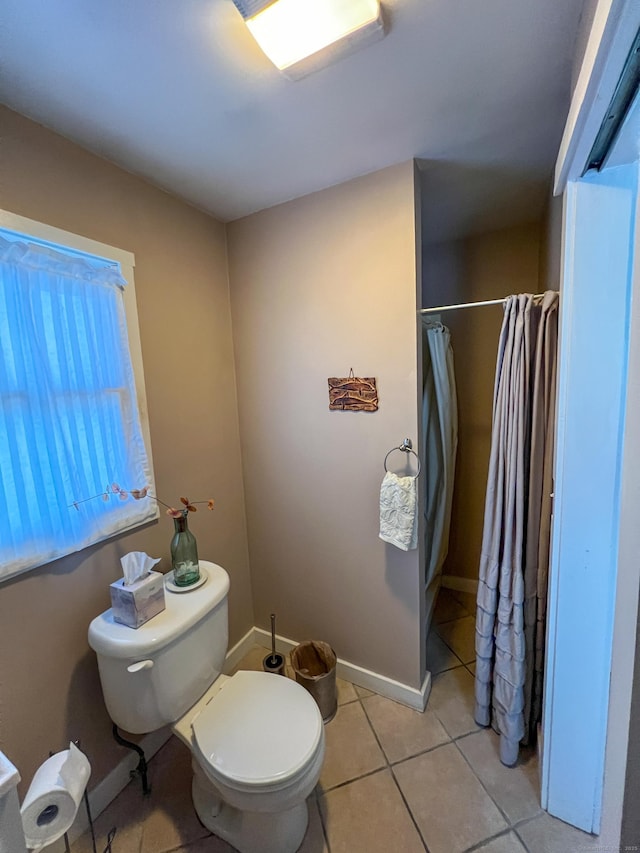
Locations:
column 110, row 835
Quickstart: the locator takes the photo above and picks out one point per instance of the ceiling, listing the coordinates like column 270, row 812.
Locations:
column 178, row 92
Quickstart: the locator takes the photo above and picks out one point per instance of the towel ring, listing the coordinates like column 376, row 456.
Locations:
column 405, row 447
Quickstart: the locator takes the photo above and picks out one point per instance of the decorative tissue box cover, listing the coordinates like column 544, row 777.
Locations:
column 135, row 604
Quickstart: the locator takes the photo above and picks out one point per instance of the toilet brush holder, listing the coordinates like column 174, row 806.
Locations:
column 274, row 662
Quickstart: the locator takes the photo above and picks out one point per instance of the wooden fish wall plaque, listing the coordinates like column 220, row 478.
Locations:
column 353, row 394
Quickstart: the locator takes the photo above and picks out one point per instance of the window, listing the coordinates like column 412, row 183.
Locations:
column 71, row 393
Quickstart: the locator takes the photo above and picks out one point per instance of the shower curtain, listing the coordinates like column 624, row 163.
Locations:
column 439, row 441
column 514, row 562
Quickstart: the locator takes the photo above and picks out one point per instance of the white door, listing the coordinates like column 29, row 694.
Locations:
column 594, row 580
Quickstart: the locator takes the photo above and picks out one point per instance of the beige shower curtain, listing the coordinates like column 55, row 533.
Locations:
column 510, row 620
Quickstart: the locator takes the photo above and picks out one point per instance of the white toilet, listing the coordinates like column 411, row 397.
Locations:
column 257, row 739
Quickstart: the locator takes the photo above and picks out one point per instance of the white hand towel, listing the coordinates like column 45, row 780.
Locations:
column 399, row 511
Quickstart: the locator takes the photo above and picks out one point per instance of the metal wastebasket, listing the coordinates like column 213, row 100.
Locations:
column 314, row 665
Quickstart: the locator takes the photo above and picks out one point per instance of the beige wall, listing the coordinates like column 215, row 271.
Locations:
column 48, row 676
column 320, row 285
column 487, row 266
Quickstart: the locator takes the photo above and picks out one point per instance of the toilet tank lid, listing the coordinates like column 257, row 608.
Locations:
column 182, row 610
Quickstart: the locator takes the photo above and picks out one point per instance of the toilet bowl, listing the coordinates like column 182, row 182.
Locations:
column 256, row 739
column 257, row 743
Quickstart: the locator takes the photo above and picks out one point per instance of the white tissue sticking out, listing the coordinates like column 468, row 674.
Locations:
column 136, row 565
column 76, row 767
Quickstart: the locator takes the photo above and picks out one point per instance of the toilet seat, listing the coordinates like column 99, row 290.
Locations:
column 258, row 732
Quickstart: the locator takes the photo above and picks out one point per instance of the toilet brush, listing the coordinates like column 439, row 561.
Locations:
column 273, row 662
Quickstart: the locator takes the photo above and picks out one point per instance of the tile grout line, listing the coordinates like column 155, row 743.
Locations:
column 346, row 782
column 447, row 621
column 461, row 603
column 392, row 764
column 484, row 788
column 509, row 827
column 480, row 844
column 369, row 772
column 442, row 640
column 466, row 664
column 524, row 822
column 453, row 652
column 395, row 781
column 437, row 746
column 510, row 824
column 408, row 808
column 349, row 781
column 325, row 833
column 446, row 669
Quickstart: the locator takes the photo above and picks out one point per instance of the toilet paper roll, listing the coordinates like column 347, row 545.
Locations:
column 51, row 803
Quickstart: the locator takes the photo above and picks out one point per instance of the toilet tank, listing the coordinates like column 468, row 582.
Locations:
column 153, row 674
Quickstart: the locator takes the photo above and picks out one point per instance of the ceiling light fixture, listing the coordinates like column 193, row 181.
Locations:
column 302, row 36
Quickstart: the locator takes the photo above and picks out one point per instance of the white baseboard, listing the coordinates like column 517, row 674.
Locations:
column 460, row 584
column 412, row 697
column 108, row 789
column 241, row 648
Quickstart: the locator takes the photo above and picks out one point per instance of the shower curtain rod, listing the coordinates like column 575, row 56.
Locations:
column 440, row 308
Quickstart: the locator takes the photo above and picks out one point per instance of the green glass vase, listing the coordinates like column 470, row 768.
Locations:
column 184, row 554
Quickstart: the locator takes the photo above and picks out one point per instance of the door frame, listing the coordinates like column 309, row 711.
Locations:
column 615, row 24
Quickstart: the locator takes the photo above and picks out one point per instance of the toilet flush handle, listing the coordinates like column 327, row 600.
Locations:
column 140, row 665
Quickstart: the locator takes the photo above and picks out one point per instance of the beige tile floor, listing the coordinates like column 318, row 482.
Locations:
column 393, row 779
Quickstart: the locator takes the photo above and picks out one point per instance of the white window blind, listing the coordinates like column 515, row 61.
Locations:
column 69, row 420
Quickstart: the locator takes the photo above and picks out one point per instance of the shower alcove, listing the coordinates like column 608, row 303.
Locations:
column 484, row 236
